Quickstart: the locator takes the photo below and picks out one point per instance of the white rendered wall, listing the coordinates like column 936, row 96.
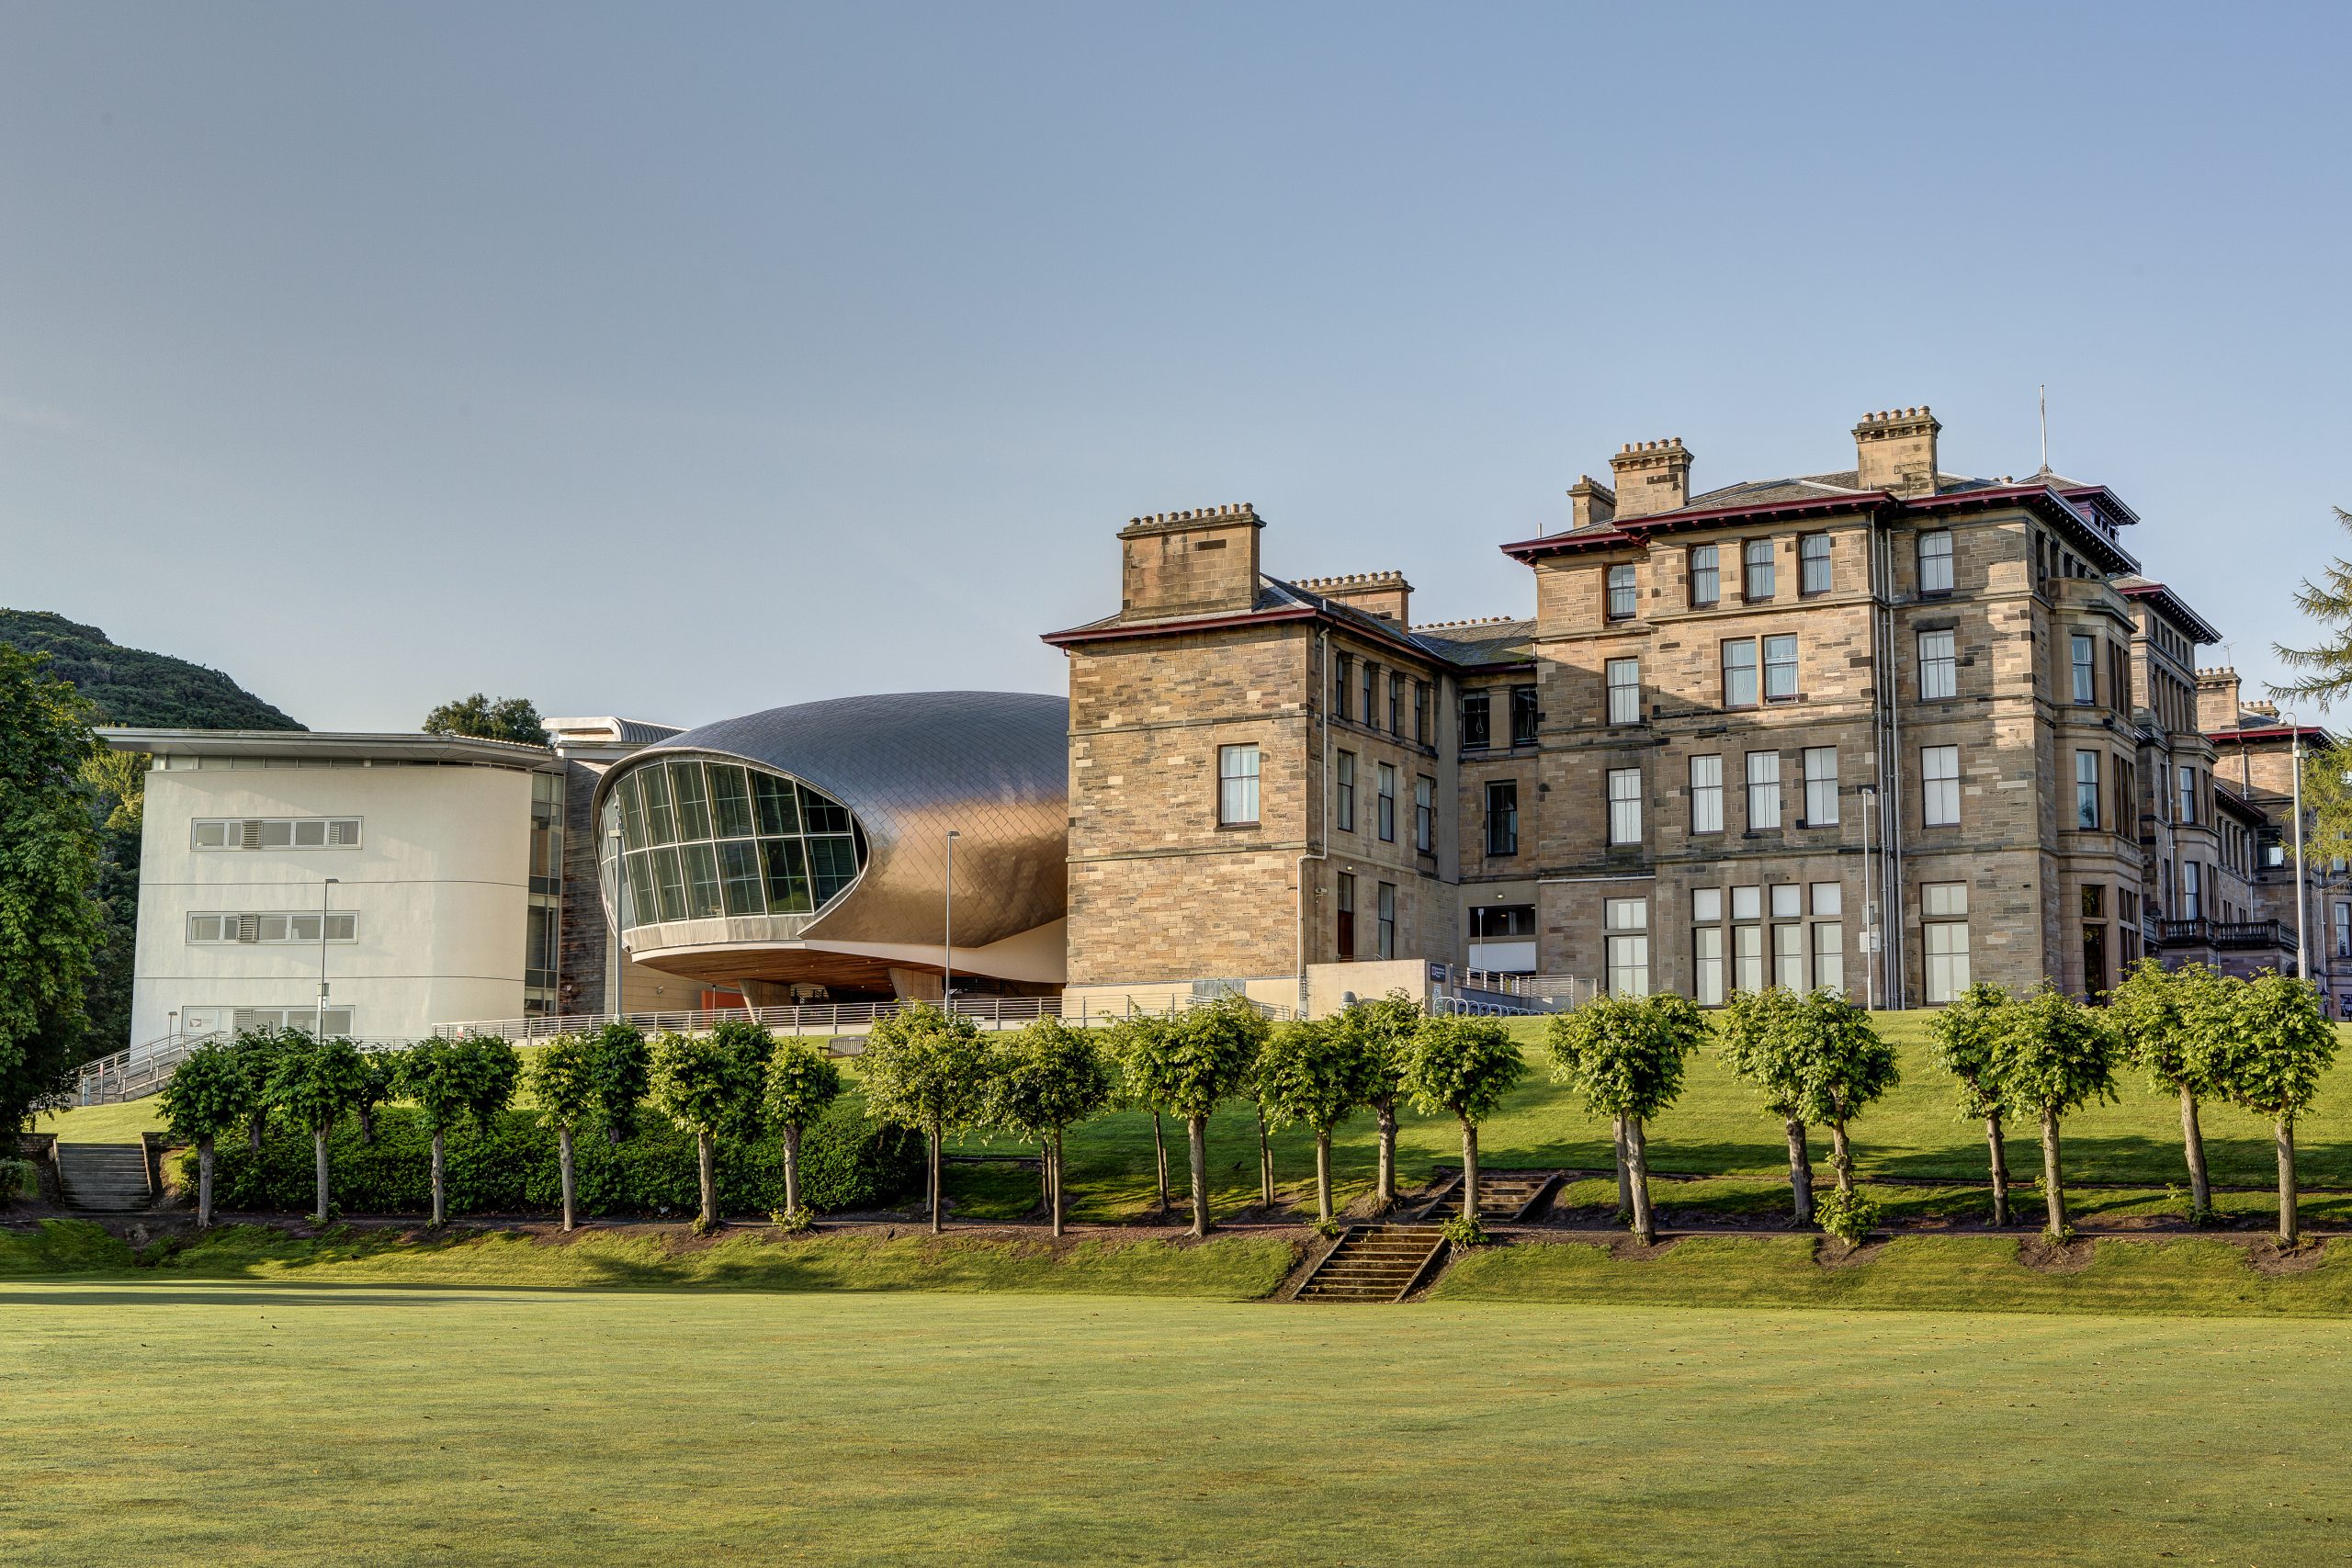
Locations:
column 440, row 882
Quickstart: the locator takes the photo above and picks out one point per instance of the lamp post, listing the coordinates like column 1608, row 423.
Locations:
column 2295, row 761
column 614, row 956
column 1870, row 908
column 947, row 935
column 322, row 1020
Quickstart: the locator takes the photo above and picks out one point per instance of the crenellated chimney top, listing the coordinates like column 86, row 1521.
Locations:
column 1592, row 501
column 1895, row 450
column 1652, row 477
column 1383, row 593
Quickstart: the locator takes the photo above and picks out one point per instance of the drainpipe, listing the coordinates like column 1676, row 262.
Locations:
column 1318, row 694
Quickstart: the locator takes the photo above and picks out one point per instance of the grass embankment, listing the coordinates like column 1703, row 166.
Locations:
column 399, row 1427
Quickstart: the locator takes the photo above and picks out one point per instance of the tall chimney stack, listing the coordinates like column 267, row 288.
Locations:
column 1652, row 477
column 1896, row 450
column 1592, row 501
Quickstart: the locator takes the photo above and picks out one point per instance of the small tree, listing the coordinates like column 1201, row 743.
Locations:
column 1625, row 1058
column 1138, row 1044
column 435, row 1076
column 1847, row 1068
column 381, row 1083
column 1209, row 1050
column 1319, row 1073
column 208, row 1095
column 2271, row 1043
column 2054, row 1056
column 1465, row 1065
column 507, row 718
column 562, row 1080
column 707, row 1084
column 1759, row 1048
column 2151, row 1012
column 801, row 1080
column 619, row 1072
column 257, row 1052
column 1047, row 1077
column 1381, row 1031
column 926, row 1069
column 318, row 1082
column 1966, row 1036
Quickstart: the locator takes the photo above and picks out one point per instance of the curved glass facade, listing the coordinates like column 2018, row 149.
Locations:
column 706, row 837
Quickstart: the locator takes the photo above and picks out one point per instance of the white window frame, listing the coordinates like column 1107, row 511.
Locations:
column 1624, row 806
column 1939, row 786
column 1935, row 560
column 270, row 928
column 1624, row 680
column 1626, row 924
column 1763, row 791
column 1821, row 786
column 276, row 833
column 1238, row 778
column 1943, row 924
column 1939, row 665
column 1707, row 794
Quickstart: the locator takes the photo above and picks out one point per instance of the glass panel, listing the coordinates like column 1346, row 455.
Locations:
column 731, row 801
column 833, row 865
column 1706, row 903
column 738, row 868
column 820, row 815
column 631, row 811
column 786, row 865
column 660, row 824
column 686, row 793
column 277, row 835
column 311, row 835
column 210, row 835
column 642, row 909
column 779, row 803
column 702, row 881
column 1786, row 896
column 669, row 884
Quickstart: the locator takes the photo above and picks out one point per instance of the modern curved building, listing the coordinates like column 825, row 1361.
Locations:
column 809, row 846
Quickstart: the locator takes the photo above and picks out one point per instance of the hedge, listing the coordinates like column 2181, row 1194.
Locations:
column 847, row 1162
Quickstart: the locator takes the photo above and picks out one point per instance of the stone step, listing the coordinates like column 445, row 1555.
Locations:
column 1375, row 1263
column 109, row 1178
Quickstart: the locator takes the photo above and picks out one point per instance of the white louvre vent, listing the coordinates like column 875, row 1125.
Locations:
column 342, row 833
column 249, row 835
column 248, row 927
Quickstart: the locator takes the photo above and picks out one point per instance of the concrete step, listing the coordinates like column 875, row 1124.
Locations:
column 1372, row 1263
column 103, row 1177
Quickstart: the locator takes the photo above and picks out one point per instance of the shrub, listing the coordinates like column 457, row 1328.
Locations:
column 1464, row 1230
column 1849, row 1216
column 19, row 1179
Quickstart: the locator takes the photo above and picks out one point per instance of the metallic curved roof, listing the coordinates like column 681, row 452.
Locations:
column 992, row 765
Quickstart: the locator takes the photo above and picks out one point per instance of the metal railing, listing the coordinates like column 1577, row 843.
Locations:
column 826, row 1018
column 144, row 1069
column 2226, row 934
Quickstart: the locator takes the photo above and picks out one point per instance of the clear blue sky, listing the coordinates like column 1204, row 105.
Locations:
column 682, row 360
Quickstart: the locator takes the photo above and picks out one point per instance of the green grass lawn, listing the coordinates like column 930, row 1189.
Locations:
column 236, row 1424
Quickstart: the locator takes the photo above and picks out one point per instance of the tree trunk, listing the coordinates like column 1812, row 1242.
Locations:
column 1800, row 1171
column 1384, row 1191
column 2288, row 1232
column 367, row 1125
column 1045, row 1174
column 1197, row 1132
column 792, row 1168
column 1160, row 1161
column 1053, row 1176
column 253, row 1130
column 440, row 1179
column 1624, row 1172
column 570, row 1181
column 1841, row 1158
column 204, row 1182
column 1637, row 1161
column 319, row 1148
column 2053, row 1185
column 2192, row 1144
column 1470, row 1171
column 2001, row 1157
column 1323, row 1174
column 613, row 1133
column 934, row 1183
column 707, row 1167
column 1265, row 1164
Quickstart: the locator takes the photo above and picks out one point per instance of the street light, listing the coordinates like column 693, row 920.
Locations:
column 322, row 1020
column 2295, row 761
column 947, row 937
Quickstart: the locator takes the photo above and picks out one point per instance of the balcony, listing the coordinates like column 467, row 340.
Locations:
column 2224, row 936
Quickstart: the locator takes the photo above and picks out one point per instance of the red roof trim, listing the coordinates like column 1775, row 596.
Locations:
column 1192, row 624
column 1632, row 530
column 2269, row 732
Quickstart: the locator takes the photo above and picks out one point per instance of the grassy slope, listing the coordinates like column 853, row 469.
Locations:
column 402, row 1428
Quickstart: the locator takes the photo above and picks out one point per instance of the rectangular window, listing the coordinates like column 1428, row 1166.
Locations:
column 1787, row 900
column 1421, row 712
column 1755, row 569
column 738, row 876
column 1779, row 668
column 1620, row 592
column 1395, row 704
column 1812, row 563
column 1370, row 711
column 1706, row 578
column 1388, row 804
column 1625, row 922
column 1821, row 786
column 2192, row 891
column 1939, row 667
column 1828, row 955
column 1345, row 791
column 1739, row 672
column 1502, row 818
column 1341, row 668
column 1387, row 919
column 703, row 901
column 1748, row 957
column 1523, row 715
column 1624, row 806
column 1939, row 786
column 2187, row 812
column 1236, row 786
column 1707, row 965
column 270, row 928
column 1625, row 691
column 1706, row 794
column 1425, row 815
column 1347, row 917
column 2344, row 931
column 1788, row 957
column 1476, row 709
column 686, row 796
column 2086, row 789
column 1944, row 911
column 1763, row 790
column 274, row 833
column 1747, row 903
column 1935, row 562
column 2085, row 665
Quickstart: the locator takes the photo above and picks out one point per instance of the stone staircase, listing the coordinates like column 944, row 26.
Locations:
column 103, row 1177
column 1504, row 1196
column 1372, row 1263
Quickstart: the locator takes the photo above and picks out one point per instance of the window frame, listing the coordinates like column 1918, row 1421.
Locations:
column 1755, row 568
column 2088, row 792
column 1771, row 786
column 1621, row 584
column 1711, row 572
column 1711, row 791
column 1947, row 662
column 1787, row 643
column 1623, row 696
column 1343, row 791
column 1623, row 793
column 1751, row 669
column 1938, row 792
column 1502, row 818
column 1231, row 784
column 1923, row 555
column 1820, row 789
column 1813, row 550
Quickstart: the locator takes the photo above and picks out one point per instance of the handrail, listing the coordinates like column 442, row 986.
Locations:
column 823, row 1018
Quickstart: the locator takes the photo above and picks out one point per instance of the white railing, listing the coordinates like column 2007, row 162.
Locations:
column 821, row 1018
column 144, row 1069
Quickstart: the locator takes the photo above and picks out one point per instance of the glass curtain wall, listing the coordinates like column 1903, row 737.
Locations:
column 701, row 839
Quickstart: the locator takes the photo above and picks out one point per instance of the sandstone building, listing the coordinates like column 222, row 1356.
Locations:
column 1886, row 728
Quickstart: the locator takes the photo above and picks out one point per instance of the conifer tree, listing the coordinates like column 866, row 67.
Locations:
column 2326, row 665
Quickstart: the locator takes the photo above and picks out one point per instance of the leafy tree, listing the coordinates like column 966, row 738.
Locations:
column 50, row 927
column 1319, row 1073
column 2271, row 1043
column 507, row 718
column 2327, row 601
column 1209, row 1050
column 1047, row 1077
column 2054, row 1056
column 2151, row 1012
column 435, row 1076
column 1138, row 1044
column 2327, row 799
column 1847, row 1068
column 619, row 1071
column 801, row 1080
column 707, row 1084
column 381, row 1082
column 1966, row 1036
column 318, row 1083
column 209, row 1094
column 1253, row 1089
column 926, row 1069
column 1465, row 1066
column 1625, row 1058
column 1382, row 1031
column 257, row 1051
column 562, row 1079
column 1759, row 1046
